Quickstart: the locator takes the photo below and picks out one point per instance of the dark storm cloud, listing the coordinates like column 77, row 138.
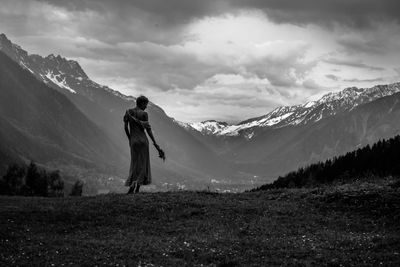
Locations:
column 353, row 13
column 122, row 21
column 166, row 13
column 172, row 13
column 140, row 20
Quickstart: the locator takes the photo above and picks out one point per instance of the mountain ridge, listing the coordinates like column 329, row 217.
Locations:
column 329, row 104
column 39, row 123
column 275, row 152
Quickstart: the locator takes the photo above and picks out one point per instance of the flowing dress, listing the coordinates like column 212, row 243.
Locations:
column 139, row 170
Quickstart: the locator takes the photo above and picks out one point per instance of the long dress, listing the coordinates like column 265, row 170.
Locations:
column 139, row 170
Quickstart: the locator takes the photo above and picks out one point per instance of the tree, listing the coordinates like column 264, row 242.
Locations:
column 36, row 181
column 12, row 182
column 77, row 189
column 55, row 184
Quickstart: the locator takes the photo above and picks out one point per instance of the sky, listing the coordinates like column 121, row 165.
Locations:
column 227, row 60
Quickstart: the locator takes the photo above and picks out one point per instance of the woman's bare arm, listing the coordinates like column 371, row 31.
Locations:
column 148, row 129
column 127, row 130
column 161, row 152
column 126, row 125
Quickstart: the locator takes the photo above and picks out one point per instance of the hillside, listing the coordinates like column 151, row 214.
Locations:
column 379, row 160
column 275, row 152
column 349, row 225
column 39, row 123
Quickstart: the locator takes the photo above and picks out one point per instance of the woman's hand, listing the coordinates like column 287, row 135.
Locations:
column 161, row 153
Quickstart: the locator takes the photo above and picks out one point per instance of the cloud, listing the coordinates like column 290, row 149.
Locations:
column 167, row 14
column 281, row 63
column 332, row 77
column 357, row 44
column 351, row 13
column 159, row 66
column 311, row 84
column 214, row 56
column 228, row 97
column 351, row 63
column 355, row 80
column 186, row 66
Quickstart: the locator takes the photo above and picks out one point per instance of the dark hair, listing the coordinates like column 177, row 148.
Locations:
column 141, row 100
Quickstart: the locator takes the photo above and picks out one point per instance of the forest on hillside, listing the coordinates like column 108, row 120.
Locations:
column 380, row 160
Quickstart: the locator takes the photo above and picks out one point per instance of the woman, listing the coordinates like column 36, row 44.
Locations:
column 138, row 120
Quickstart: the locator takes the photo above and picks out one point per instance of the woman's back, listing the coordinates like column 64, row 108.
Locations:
column 137, row 132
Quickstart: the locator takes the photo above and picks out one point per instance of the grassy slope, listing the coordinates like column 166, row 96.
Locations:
column 343, row 225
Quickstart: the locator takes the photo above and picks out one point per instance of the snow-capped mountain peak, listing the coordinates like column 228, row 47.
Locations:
column 56, row 71
column 328, row 105
column 209, row 126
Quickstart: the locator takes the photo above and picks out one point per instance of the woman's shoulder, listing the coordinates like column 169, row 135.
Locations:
column 140, row 114
column 144, row 115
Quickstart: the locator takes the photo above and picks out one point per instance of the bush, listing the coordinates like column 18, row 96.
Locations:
column 55, row 184
column 13, row 181
column 36, row 180
column 31, row 181
column 77, row 189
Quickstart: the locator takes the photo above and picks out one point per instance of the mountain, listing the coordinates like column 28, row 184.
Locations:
column 287, row 138
column 209, row 127
column 275, row 152
column 38, row 123
column 328, row 105
column 189, row 161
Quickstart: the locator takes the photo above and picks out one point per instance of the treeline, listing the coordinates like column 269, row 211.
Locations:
column 34, row 181
column 381, row 159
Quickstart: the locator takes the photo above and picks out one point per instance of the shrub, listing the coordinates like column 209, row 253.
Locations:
column 77, row 189
column 55, row 184
column 36, row 180
column 31, row 181
column 12, row 182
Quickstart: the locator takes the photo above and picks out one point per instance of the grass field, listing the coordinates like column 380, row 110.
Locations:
column 345, row 225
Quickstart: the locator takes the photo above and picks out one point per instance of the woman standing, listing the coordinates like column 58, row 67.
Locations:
column 138, row 121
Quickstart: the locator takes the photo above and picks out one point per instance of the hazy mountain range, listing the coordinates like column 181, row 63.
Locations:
column 53, row 113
